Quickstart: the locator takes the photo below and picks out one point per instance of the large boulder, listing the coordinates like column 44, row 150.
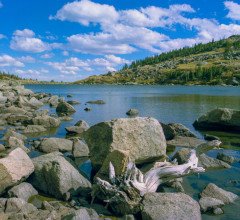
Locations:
column 210, row 204
column 214, row 191
column 55, row 176
column 219, row 119
column 142, row 137
column 49, row 145
column 63, row 108
column 53, row 101
column 23, row 191
column 166, row 206
column 14, row 168
column 46, row 121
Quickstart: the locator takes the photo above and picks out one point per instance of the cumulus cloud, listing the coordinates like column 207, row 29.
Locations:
column 25, row 40
column 74, row 65
column 234, row 10
column 47, row 55
column 86, row 12
column 27, row 59
column 6, row 60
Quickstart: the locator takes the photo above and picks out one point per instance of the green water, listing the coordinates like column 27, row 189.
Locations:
column 181, row 104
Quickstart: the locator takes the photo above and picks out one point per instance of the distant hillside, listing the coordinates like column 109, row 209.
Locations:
column 214, row 63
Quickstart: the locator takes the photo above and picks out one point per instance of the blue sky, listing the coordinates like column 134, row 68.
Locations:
column 69, row 40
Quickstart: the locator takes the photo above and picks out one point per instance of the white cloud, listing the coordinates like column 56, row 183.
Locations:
column 27, row 59
column 234, row 10
column 101, row 43
column 74, row 65
column 65, row 53
column 47, row 55
column 86, row 12
column 25, row 40
column 6, row 60
column 1, row 5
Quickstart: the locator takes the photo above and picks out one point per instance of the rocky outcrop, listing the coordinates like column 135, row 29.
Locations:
column 142, row 137
column 55, row 176
column 167, row 206
column 219, row 119
column 49, row 145
column 14, row 168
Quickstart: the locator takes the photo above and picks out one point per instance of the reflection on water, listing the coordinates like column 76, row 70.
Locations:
column 181, row 104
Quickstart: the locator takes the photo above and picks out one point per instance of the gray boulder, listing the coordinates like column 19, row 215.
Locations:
column 211, row 163
column 12, row 133
column 34, row 129
column 18, row 205
column 53, row 101
column 209, row 204
column 55, row 176
column 132, row 112
column 63, row 108
column 2, row 148
column 166, row 206
column 23, row 191
column 80, row 149
column 13, row 142
column 219, row 119
column 49, row 145
column 142, row 137
column 226, row 158
column 14, row 168
column 82, row 214
column 214, row 191
column 46, row 121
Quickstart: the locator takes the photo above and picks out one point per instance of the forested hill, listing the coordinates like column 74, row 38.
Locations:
column 214, row 63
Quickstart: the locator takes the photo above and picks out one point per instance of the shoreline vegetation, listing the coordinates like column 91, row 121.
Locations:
column 214, row 63
column 133, row 175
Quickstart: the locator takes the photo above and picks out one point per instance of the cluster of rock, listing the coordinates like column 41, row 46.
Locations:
column 116, row 143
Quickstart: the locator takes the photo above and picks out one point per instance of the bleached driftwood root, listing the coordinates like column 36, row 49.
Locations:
column 124, row 193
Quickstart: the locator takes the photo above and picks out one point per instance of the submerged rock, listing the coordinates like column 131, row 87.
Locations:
column 142, row 137
column 219, row 119
column 14, row 168
column 98, row 102
column 214, row 191
column 166, row 206
column 55, row 176
column 190, row 142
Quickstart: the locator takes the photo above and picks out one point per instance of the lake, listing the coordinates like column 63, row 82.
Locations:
column 181, row 104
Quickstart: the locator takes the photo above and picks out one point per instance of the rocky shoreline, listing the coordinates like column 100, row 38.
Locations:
column 130, row 165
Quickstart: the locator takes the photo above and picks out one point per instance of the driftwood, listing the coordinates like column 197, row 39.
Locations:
column 124, row 193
